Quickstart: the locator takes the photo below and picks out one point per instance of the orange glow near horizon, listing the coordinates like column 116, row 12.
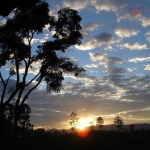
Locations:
column 83, row 133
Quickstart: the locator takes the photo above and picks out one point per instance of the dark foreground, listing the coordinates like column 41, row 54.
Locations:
column 96, row 140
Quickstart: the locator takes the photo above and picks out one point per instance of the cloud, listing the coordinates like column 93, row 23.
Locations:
column 108, row 5
column 103, row 57
column 108, row 62
column 126, row 32
column 89, row 27
column 113, row 95
column 133, row 46
column 127, row 15
column 96, row 41
column 136, row 115
column 147, row 67
column 107, row 47
column 33, row 69
column 129, row 12
column 104, row 37
column 76, row 4
column 131, row 89
column 90, row 66
column 82, row 76
column 145, row 21
column 131, row 69
column 147, row 35
column 139, row 59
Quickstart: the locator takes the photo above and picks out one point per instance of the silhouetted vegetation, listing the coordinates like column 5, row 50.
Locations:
column 118, row 121
column 95, row 140
column 73, row 121
column 16, row 38
column 100, row 122
column 23, row 118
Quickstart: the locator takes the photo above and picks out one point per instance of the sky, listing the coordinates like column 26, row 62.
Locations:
column 115, row 53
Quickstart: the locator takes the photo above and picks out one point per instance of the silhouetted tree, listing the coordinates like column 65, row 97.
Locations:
column 16, row 38
column 73, row 121
column 24, row 115
column 118, row 121
column 23, row 122
column 100, row 122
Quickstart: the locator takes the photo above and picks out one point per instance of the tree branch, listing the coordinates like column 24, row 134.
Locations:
column 11, row 96
column 4, row 89
column 31, row 37
column 32, row 79
column 7, row 80
column 26, row 96
column 25, row 62
column 2, row 79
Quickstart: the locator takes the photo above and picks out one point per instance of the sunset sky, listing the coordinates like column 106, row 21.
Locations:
column 115, row 53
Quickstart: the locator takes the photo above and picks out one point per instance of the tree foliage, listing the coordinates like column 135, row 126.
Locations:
column 73, row 120
column 23, row 118
column 118, row 121
column 100, row 122
column 16, row 38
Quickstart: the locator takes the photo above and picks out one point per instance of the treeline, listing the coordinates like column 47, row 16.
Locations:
column 96, row 139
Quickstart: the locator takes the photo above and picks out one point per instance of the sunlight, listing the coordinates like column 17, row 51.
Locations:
column 84, row 123
column 83, row 133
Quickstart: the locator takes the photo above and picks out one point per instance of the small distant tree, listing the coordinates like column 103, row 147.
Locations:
column 100, row 122
column 73, row 121
column 118, row 121
column 132, row 127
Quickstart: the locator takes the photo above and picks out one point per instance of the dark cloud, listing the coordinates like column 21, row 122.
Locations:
column 104, row 37
column 97, row 41
column 108, row 62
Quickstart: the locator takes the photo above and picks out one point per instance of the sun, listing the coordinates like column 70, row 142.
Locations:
column 83, row 133
column 84, row 123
